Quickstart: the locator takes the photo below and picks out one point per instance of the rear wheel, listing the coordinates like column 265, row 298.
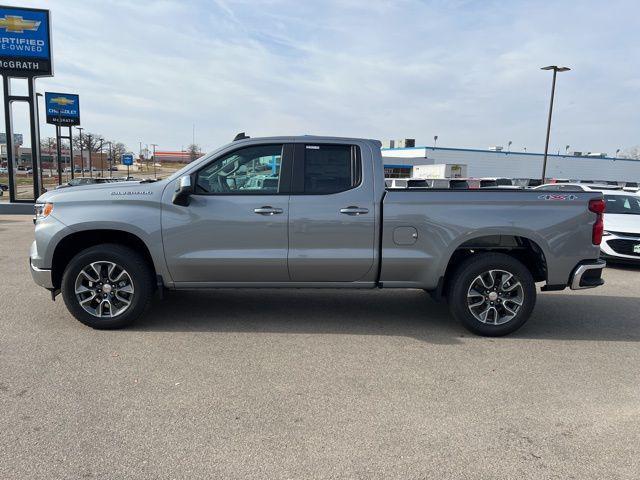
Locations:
column 107, row 286
column 492, row 294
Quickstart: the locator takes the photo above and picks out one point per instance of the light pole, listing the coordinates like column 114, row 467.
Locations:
column 617, row 152
column 154, row 145
column 555, row 69
column 566, row 149
column 509, row 145
column 110, row 158
column 435, row 141
column 90, row 145
column 101, row 159
column 81, row 150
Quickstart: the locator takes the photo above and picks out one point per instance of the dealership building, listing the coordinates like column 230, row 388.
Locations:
column 496, row 162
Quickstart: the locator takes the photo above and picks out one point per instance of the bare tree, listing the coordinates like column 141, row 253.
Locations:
column 194, row 152
column 118, row 149
column 49, row 145
column 90, row 142
column 631, row 152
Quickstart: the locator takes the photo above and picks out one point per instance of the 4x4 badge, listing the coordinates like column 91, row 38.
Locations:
column 557, row 196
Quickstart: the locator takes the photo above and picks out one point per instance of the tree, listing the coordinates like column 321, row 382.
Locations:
column 118, row 149
column 48, row 145
column 631, row 152
column 90, row 142
column 194, row 152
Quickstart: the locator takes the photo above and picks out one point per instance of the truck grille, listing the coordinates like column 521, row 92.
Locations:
column 625, row 247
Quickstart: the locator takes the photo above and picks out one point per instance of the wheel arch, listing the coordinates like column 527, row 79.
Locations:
column 75, row 242
column 522, row 248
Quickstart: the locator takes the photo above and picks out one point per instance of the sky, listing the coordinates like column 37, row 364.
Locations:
column 467, row 71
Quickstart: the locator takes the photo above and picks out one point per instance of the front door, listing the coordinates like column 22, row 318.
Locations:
column 331, row 215
column 235, row 228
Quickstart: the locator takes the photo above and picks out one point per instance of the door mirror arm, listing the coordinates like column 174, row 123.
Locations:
column 183, row 192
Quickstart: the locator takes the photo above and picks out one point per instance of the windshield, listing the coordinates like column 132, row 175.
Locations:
column 622, row 204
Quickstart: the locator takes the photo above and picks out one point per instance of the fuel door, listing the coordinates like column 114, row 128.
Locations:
column 405, row 235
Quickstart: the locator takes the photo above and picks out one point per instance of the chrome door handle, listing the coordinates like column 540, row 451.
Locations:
column 354, row 210
column 267, row 210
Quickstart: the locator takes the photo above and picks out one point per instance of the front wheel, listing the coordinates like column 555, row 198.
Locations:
column 107, row 286
column 492, row 294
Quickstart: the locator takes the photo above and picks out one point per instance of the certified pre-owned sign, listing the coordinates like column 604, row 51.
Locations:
column 25, row 42
column 62, row 108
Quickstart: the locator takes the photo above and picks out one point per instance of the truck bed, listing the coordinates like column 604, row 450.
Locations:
column 422, row 228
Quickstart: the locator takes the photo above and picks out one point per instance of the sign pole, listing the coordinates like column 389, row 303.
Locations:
column 59, row 154
column 35, row 139
column 9, row 129
column 73, row 163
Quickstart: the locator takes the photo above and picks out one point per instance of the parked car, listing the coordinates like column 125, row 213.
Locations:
column 621, row 240
column 329, row 223
column 448, row 183
column 4, row 171
column 407, row 183
column 4, row 187
column 494, row 182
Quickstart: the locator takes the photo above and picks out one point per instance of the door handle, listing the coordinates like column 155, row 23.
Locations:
column 267, row 210
column 354, row 210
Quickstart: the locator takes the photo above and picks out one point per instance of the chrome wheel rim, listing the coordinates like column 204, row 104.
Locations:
column 104, row 289
column 495, row 297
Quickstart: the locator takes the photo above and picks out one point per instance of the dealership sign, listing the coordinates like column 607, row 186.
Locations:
column 62, row 108
column 25, row 42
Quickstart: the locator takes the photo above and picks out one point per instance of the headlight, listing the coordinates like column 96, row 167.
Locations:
column 43, row 210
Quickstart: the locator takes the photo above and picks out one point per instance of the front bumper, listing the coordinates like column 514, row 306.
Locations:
column 621, row 247
column 587, row 275
column 41, row 276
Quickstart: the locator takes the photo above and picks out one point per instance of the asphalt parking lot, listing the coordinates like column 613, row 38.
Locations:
column 316, row 384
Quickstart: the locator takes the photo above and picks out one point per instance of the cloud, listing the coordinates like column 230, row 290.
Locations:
column 466, row 71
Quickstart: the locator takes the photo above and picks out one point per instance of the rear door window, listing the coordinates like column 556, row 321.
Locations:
column 327, row 169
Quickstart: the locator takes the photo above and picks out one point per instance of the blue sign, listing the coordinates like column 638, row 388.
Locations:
column 127, row 159
column 25, row 42
column 62, row 108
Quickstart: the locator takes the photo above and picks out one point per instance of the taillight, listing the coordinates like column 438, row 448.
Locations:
column 597, row 206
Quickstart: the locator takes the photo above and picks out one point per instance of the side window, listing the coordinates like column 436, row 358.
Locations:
column 331, row 168
column 249, row 170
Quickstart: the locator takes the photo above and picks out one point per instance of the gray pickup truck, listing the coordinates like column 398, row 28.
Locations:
column 311, row 212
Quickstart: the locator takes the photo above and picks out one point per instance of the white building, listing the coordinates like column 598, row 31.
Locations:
column 500, row 163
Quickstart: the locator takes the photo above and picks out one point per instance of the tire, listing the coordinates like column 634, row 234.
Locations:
column 115, row 303
column 472, row 283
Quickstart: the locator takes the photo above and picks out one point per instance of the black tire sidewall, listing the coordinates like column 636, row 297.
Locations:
column 468, row 271
column 131, row 261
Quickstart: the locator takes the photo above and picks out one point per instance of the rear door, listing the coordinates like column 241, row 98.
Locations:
column 331, row 215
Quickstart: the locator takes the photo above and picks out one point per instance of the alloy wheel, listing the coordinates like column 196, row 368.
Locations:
column 104, row 289
column 495, row 297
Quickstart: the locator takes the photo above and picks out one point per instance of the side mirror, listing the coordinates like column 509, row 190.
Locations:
column 183, row 191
